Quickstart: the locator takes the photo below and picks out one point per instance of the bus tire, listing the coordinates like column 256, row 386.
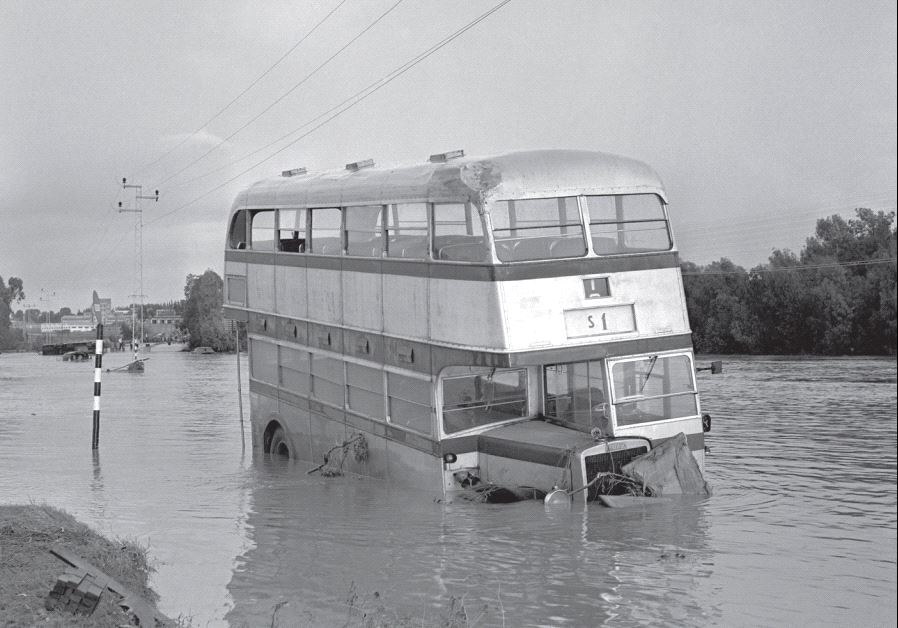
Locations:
column 280, row 446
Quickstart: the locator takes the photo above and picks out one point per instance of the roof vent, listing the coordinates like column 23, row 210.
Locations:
column 293, row 173
column 358, row 165
column 441, row 158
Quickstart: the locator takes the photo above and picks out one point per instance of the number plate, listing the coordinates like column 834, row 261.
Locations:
column 594, row 321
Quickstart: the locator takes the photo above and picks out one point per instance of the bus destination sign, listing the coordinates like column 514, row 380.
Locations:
column 595, row 321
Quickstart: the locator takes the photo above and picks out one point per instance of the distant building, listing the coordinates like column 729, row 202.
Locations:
column 101, row 309
column 75, row 323
column 163, row 323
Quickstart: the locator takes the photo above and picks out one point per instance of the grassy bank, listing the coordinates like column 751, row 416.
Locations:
column 28, row 570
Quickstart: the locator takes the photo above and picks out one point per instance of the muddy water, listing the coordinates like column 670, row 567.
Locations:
column 801, row 529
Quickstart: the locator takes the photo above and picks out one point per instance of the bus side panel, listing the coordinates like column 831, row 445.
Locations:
column 292, row 299
column 405, row 306
column 325, row 296
column 363, row 300
column 466, row 313
column 325, row 434
column 413, row 468
column 262, row 409
column 298, row 425
column 376, row 464
column 260, row 286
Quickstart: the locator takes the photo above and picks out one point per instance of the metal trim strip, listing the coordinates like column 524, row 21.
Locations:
column 517, row 271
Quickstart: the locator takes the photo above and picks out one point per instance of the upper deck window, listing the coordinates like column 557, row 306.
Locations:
column 475, row 400
column 458, row 233
column 326, row 231
column 292, row 230
column 653, row 388
column 262, row 230
column 364, row 230
column 632, row 223
column 542, row 228
column 237, row 232
column 407, row 230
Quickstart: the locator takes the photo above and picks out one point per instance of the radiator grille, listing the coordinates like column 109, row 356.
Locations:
column 608, row 463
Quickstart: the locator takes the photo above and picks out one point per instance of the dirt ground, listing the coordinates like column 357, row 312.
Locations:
column 28, row 570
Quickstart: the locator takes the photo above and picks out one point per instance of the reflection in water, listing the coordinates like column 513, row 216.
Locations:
column 315, row 539
column 800, row 529
column 97, row 492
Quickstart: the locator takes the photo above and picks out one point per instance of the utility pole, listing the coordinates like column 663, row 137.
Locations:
column 138, row 243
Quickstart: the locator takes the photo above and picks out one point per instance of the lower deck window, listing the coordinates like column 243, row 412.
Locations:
column 474, row 400
column 327, row 380
column 263, row 361
column 576, row 394
column 653, row 388
column 409, row 400
column 365, row 390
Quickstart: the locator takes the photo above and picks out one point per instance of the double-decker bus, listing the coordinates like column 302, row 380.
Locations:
column 513, row 320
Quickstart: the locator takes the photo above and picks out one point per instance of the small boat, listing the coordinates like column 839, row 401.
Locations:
column 204, row 350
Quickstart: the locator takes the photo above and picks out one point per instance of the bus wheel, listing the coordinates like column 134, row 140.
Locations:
column 280, row 446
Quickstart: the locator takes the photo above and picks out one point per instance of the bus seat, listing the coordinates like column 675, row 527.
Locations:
column 415, row 250
column 567, row 247
column 532, row 248
column 365, row 248
column 605, row 246
column 505, row 250
column 463, row 252
column 327, row 246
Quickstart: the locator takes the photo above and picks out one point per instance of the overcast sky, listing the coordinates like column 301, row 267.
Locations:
column 759, row 116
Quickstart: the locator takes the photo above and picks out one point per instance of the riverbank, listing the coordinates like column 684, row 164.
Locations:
column 28, row 570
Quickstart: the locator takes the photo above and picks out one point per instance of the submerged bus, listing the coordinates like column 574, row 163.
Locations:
column 513, row 320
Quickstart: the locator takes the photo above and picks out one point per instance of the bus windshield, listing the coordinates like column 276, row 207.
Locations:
column 541, row 228
column 475, row 400
column 632, row 223
column 653, row 388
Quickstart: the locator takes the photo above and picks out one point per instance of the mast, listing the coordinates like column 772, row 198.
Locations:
column 138, row 245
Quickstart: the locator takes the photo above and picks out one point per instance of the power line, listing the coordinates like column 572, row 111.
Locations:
column 353, row 101
column 242, row 93
column 287, row 93
column 866, row 262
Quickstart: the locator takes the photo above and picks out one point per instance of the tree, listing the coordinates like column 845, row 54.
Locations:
column 203, row 318
column 838, row 296
column 12, row 291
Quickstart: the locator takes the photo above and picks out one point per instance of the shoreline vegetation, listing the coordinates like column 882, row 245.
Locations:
column 836, row 297
column 28, row 571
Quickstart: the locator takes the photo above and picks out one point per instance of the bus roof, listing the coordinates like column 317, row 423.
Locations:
column 515, row 175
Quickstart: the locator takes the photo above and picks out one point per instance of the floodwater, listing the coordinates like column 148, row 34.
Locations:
column 800, row 530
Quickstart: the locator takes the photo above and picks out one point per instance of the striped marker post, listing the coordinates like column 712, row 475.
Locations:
column 98, row 369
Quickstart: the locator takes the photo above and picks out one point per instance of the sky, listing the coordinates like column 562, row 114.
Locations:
column 760, row 117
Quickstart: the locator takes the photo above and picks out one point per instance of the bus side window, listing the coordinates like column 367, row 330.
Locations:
column 262, row 231
column 458, row 233
column 407, row 230
column 364, row 230
column 237, row 232
column 292, row 230
column 325, row 231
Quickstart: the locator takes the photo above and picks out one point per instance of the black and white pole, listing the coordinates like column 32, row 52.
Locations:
column 98, row 370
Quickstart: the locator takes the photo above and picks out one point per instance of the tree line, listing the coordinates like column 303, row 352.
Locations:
column 835, row 297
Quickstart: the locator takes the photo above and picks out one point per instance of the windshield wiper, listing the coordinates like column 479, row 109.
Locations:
column 652, row 361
